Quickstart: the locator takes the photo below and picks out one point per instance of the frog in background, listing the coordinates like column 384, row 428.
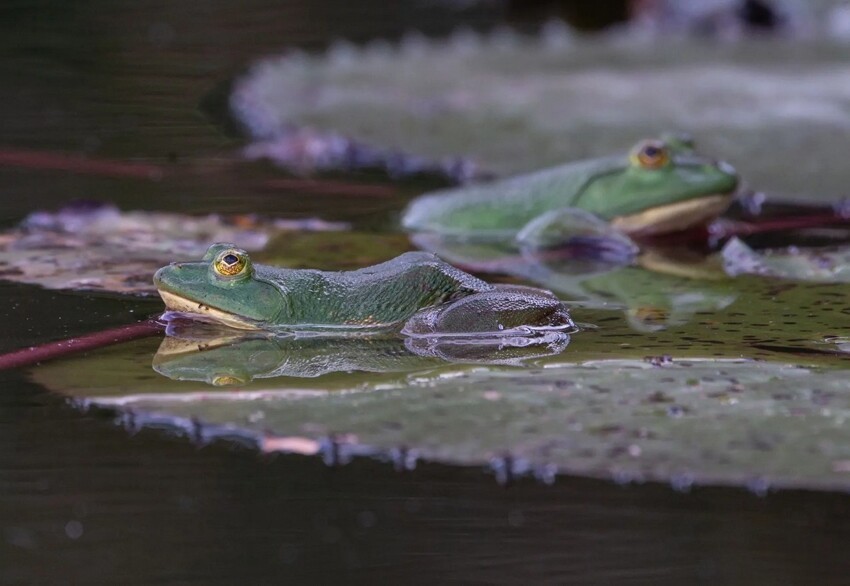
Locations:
column 661, row 186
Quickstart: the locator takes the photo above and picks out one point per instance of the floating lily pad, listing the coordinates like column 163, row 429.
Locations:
column 98, row 247
column 513, row 104
column 681, row 421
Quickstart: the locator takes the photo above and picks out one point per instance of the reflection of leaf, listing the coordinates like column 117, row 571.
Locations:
column 703, row 421
column 516, row 105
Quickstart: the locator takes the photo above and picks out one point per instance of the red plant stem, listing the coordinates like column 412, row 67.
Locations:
column 76, row 164
column 723, row 228
column 61, row 348
column 739, row 228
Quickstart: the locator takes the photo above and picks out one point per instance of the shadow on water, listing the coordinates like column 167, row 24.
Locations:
column 84, row 501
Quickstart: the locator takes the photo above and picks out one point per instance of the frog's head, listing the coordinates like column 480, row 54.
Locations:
column 663, row 187
column 223, row 287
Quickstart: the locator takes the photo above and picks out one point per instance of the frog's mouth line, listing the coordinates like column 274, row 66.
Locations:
column 174, row 302
column 673, row 217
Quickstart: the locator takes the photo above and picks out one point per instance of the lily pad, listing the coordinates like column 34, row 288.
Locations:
column 98, row 247
column 694, row 421
column 512, row 104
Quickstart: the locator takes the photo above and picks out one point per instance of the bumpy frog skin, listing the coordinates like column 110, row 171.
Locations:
column 661, row 186
column 417, row 290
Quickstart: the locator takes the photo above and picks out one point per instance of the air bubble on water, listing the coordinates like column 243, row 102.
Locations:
column 74, row 529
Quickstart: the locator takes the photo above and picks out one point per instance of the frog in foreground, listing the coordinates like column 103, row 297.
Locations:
column 662, row 186
column 415, row 291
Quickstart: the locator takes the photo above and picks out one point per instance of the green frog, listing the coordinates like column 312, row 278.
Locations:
column 661, row 186
column 416, row 292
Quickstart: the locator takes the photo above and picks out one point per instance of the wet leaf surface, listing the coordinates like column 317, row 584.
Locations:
column 683, row 421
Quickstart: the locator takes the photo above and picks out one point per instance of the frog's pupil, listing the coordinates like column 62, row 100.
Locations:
column 652, row 151
column 230, row 259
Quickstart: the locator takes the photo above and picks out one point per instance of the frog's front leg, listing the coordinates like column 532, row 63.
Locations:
column 504, row 310
column 574, row 227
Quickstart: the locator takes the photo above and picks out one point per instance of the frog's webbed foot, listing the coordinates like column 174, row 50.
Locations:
column 504, row 310
column 579, row 230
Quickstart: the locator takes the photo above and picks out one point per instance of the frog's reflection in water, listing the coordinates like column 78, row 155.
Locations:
column 225, row 357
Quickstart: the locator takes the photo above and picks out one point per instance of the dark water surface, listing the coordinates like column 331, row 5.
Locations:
column 84, row 501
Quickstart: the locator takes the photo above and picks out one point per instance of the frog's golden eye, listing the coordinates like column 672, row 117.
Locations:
column 230, row 263
column 650, row 154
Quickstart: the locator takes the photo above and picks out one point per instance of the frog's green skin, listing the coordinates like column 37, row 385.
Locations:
column 416, row 289
column 239, row 360
column 687, row 190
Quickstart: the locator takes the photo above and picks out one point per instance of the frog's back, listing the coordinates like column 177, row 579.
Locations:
column 380, row 295
column 505, row 205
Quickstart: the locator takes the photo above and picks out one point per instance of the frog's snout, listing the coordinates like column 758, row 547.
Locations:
column 158, row 276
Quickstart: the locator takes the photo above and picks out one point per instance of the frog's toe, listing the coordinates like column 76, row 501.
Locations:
column 505, row 310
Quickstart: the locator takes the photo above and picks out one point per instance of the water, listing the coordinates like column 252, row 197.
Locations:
column 84, row 501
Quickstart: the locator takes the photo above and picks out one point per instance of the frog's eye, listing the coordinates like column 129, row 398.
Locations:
column 650, row 154
column 230, row 263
